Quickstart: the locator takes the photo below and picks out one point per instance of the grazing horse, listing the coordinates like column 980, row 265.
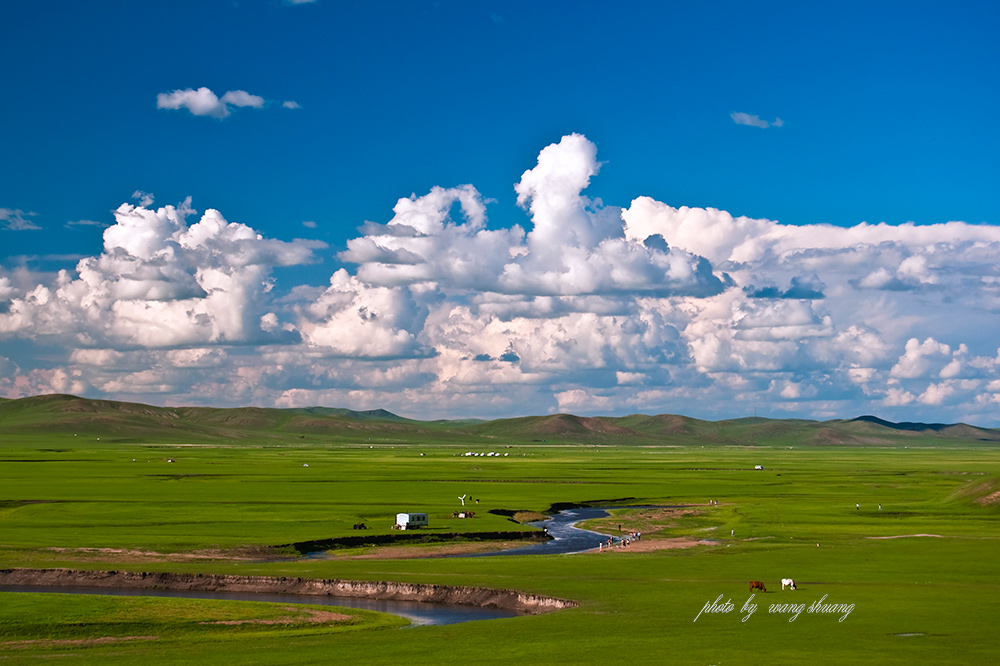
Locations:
column 789, row 582
column 757, row 585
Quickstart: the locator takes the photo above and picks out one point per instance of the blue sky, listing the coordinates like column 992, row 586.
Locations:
column 795, row 116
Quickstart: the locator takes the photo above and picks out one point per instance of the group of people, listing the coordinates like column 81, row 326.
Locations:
column 619, row 542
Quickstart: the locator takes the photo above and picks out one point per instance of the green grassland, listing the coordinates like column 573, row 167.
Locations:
column 86, row 484
column 51, row 622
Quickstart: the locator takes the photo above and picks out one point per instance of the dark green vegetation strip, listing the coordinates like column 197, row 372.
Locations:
column 411, row 538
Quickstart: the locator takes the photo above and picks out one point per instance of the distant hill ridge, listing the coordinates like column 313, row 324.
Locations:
column 127, row 421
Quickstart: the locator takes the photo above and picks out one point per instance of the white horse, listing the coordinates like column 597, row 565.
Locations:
column 789, row 582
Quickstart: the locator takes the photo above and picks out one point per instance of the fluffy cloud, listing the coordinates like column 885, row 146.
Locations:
column 200, row 102
column 204, row 102
column 586, row 307
column 242, row 98
column 922, row 359
column 145, row 199
column 576, row 247
column 353, row 319
column 160, row 283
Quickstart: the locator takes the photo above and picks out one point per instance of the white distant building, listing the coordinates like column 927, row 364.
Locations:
column 410, row 521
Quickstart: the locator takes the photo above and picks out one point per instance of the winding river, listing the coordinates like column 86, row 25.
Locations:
column 566, row 539
column 419, row 613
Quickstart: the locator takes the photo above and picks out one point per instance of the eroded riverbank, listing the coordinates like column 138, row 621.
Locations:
column 511, row 600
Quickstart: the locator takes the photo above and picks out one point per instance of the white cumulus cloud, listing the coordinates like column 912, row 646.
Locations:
column 204, row 102
column 583, row 306
column 159, row 283
column 242, row 98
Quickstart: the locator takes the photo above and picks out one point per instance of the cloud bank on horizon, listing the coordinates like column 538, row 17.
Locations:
column 590, row 308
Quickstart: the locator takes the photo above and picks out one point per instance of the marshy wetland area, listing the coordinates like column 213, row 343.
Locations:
column 899, row 522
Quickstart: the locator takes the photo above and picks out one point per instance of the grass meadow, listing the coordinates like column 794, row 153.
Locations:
column 166, row 504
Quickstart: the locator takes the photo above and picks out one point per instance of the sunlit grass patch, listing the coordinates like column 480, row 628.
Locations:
column 30, row 621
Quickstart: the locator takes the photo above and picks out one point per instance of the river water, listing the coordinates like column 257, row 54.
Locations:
column 566, row 539
column 419, row 613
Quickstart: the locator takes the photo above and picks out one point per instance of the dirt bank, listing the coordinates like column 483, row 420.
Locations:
column 467, row 596
column 650, row 545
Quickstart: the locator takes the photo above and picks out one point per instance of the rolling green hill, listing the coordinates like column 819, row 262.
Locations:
column 126, row 421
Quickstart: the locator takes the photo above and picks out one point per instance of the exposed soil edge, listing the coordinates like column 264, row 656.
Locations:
column 467, row 596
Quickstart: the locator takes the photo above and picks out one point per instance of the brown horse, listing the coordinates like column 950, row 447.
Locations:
column 757, row 585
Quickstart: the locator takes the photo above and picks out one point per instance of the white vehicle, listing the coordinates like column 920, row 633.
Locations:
column 410, row 521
